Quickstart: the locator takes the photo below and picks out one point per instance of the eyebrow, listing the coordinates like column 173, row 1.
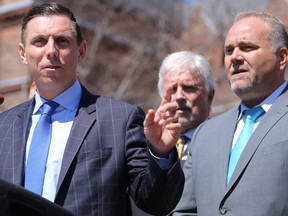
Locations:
column 242, row 42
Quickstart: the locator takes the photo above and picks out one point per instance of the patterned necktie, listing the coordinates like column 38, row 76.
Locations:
column 39, row 148
column 180, row 146
column 251, row 116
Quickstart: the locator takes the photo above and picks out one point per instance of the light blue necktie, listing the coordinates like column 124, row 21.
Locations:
column 39, row 148
column 251, row 116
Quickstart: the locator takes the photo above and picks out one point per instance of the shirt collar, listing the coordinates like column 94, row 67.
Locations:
column 267, row 103
column 64, row 99
column 189, row 134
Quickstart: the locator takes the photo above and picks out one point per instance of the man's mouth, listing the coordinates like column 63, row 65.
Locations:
column 236, row 72
column 53, row 67
column 183, row 109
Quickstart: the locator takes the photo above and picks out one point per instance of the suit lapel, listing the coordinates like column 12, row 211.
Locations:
column 228, row 129
column 275, row 113
column 19, row 138
column 84, row 120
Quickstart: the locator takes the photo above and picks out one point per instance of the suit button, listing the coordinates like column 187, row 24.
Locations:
column 223, row 210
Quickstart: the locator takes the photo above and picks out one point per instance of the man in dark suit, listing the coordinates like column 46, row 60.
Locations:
column 226, row 174
column 192, row 84
column 98, row 151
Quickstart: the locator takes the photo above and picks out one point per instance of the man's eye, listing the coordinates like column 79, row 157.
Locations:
column 189, row 88
column 39, row 42
column 247, row 48
column 62, row 41
column 174, row 89
column 228, row 51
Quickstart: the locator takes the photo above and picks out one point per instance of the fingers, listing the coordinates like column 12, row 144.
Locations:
column 170, row 108
column 167, row 112
column 168, row 120
column 167, row 95
column 167, row 108
column 149, row 118
column 174, row 126
column 162, row 119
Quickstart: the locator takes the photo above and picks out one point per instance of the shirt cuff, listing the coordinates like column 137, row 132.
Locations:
column 164, row 163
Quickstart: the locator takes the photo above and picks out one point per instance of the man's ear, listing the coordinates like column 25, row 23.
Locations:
column 21, row 50
column 211, row 96
column 282, row 54
column 82, row 51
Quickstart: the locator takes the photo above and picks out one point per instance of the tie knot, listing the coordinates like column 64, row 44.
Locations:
column 49, row 107
column 182, row 140
column 254, row 113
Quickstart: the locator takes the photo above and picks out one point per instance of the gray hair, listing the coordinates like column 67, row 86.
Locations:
column 189, row 60
column 278, row 31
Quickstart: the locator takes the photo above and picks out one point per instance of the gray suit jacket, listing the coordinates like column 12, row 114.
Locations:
column 105, row 158
column 259, row 184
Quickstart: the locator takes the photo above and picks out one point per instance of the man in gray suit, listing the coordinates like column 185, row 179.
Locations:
column 255, row 59
column 98, row 152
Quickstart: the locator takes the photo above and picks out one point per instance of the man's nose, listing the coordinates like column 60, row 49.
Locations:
column 180, row 94
column 236, row 55
column 52, row 50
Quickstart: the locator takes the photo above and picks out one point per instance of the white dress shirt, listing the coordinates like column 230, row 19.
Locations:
column 266, row 104
column 62, row 120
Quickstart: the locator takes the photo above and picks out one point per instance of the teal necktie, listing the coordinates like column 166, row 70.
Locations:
column 251, row 116
column 39, row 148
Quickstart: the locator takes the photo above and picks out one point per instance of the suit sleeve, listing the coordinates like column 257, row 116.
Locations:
column 153, row 189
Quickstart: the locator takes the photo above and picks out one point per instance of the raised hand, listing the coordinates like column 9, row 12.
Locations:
column 162, row 128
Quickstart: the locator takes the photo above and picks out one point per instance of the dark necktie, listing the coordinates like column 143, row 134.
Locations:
column 251, row 116
column 39, row 148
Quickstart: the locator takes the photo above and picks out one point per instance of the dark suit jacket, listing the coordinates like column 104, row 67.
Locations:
column 259, row 184
column 106, row 156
